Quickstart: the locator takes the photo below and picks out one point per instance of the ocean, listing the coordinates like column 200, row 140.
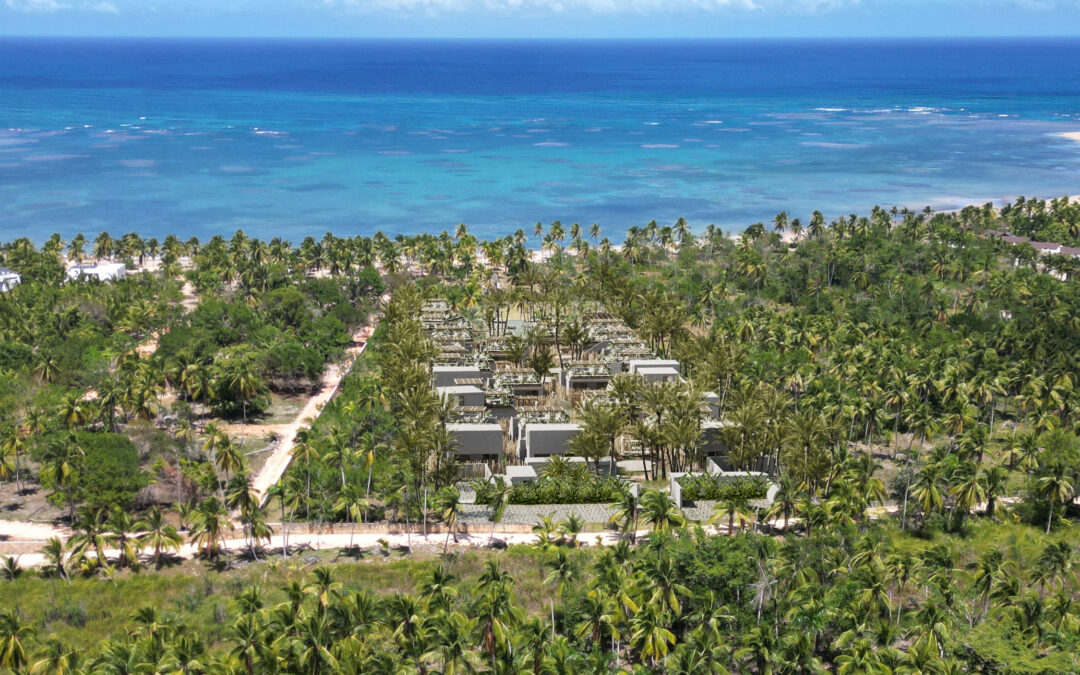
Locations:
column 296, row 138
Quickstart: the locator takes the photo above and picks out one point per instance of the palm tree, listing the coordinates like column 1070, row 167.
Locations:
column 1056, row 562
column 650, row 635
column 354, row 505
column 1056, row 488
column 532, row 637
column 660, row 511
column 626, row 515
column 250, row 641
column 56, row 658
column 304, row 448
column 208, row 527
column 500, row 499
column 454, row 645
column 55, row 558
column 120, row 526
column 929, row 490
column 12, row 633
column 968, row 491
column 448, row 502
column 10, row 570
column 784, row 501
column 15, row 445
column 733, row 508
column 157, row 534
column 561, row 571
column 994, row 482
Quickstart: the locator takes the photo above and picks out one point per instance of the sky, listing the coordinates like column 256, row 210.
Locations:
column 540, row 18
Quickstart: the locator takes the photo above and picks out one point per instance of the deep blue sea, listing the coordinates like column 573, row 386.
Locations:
column 291, row 138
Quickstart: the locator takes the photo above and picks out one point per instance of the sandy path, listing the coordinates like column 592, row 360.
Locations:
column 319, row 542
column 21, row 531
column 279, row 460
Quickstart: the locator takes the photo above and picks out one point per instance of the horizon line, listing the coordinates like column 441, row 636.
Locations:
column 444, row 38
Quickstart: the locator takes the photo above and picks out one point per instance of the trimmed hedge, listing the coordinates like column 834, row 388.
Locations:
column 576, row 486
column 703, row 487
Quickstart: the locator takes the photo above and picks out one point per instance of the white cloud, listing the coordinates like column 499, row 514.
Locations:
column 105, row 7
column 35, row 5
column 49, row 6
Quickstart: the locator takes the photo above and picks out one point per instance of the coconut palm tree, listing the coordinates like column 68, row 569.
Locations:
column 157, row 534
column 1055, row 488
column 660, row 511
column 448, row 503
column 626, row 515
column 561, row 571
column 208, row 527
column 12, row 634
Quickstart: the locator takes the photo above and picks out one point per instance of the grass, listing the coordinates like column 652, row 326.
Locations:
column 282, row 410
column 86, row 612
column 1021, row 543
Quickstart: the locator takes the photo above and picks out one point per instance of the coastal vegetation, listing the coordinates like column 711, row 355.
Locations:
column 908, row 377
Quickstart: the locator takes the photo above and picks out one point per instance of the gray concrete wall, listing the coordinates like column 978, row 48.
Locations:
column 542, row 440
column 473, row 440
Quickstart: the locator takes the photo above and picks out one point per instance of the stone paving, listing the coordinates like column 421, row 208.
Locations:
column 529, row 514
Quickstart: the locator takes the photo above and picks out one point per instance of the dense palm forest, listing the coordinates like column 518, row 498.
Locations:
column 910, row 377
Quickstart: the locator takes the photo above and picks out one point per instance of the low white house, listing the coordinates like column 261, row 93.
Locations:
column 639, row 366
column 653, row 374
column 8, row 279
column 102, row 271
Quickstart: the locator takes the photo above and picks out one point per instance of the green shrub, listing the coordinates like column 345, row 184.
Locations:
column 704, row 487
column 108, row 473
column 573, row 488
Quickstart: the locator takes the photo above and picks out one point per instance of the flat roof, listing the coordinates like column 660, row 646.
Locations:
column 474, row 426
column 467, row 369
column 460, row 389
column 551, row 426
column 715, row 424
column 658, row 370
column 83, row 267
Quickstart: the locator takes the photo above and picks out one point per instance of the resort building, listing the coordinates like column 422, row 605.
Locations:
column 8, row 279
column 101, row 271
column 477, row 442
column 510, row 420
column 545, row 440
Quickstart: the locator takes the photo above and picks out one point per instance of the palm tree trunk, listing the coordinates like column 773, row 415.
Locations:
column 284, row 530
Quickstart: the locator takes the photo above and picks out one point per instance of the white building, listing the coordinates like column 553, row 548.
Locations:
column 102, row 271
column 8, row 279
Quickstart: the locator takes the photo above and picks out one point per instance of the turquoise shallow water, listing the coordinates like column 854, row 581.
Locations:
column 297, row 138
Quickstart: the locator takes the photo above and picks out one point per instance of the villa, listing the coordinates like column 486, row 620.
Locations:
column 8, row 279
column 102, row 271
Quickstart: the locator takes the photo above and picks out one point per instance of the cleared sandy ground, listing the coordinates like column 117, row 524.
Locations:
column 279, row 460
